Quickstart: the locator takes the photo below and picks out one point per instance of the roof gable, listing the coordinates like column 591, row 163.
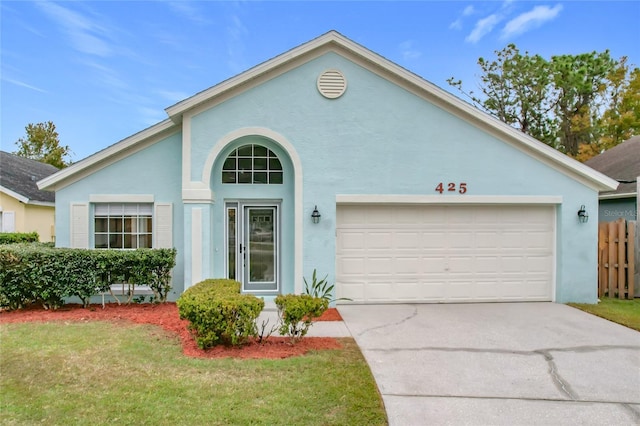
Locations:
column 335, row 42
column 19, row 175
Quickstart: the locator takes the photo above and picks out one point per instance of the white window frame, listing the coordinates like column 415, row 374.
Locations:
column 138, row 214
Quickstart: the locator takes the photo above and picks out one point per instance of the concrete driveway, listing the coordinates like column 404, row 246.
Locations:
column 499, row 364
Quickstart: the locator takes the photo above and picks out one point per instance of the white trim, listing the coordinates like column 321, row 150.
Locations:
column 121, row 198
column 197, row 195
column 554, row 273
column 41, row 203
column 297, row 176
column 444, row 199
column 25, row 200
column 616, row 195
column 14, row 194
column 196, row 245
column 109, row 155
column 186, row 155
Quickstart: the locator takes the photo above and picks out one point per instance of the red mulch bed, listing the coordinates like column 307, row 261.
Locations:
column 166, row 316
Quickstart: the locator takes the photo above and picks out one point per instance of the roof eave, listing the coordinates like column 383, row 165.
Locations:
column 176, row 111
column 14, row 194
column 617, row 196
column 50, row 183
column 597, row 180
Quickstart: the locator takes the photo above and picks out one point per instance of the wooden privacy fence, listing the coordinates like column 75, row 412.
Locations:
column 616, row 259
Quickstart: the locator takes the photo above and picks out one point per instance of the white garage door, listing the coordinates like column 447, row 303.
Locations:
column 445, row 253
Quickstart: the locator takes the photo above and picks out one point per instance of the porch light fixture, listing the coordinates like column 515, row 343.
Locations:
column 315, row 215
column 583, row 217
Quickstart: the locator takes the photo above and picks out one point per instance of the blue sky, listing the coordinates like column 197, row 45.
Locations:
column 104, row 70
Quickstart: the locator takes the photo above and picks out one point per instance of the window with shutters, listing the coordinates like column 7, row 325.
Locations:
column 123, row 225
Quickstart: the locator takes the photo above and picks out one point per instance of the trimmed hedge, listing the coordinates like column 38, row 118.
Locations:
column 37, row 273
column 219, row 314
column 19, row 237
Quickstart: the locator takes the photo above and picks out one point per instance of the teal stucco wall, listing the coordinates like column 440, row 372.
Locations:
column 155, row 170
column 378, row 138
column 381, row 139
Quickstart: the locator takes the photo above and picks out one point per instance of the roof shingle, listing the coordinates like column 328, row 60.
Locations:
column 621, row 162
column 20, row 175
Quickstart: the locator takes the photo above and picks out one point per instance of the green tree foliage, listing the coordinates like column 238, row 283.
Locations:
column 516, row 89
column 43, row 144
column 580, row 82
column 579, row 104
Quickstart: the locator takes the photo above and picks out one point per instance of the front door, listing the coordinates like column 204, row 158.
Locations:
column 254, row 260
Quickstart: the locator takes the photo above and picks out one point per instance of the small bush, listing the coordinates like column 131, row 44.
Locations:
column 219, row 314
column 297, row 312
column 19, row 237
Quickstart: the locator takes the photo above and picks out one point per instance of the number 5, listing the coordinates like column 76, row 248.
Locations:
column 463, row 188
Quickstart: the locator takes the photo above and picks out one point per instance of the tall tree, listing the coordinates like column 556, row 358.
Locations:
column 621, row 117
column 42, row 144
column 580, row 81
column 561, row 102
column 516, row 89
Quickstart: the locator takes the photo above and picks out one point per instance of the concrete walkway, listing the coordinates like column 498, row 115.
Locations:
column 498, row 364
column 318, row 328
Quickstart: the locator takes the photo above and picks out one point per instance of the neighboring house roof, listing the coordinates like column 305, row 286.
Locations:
column 622, row 162
column 339, row 44
column 19, row 177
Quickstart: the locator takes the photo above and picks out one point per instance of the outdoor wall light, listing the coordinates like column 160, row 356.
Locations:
column 583, row 217
column 315, row 215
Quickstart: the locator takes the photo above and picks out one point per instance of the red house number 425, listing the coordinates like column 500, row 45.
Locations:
column 452, row 187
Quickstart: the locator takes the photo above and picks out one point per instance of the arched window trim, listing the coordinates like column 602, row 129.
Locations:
column 252, row 164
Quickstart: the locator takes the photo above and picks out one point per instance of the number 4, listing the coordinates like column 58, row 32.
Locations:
column 439, row 188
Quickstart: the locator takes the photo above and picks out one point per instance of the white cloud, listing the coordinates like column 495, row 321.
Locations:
column 408, row 51
column 236, row 32
column 189, row 11
column 469, row 10
column 25, row 85
column 457, row 24
column 483, row 27
column 86, row 36
column 534, row 18
column 173, row 95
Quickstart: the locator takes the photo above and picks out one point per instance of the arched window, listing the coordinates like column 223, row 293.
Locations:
column 252, row 164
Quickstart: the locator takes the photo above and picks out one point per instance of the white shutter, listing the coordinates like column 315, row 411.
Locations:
column 79, row 237
column 163, row 225
column 8, row 222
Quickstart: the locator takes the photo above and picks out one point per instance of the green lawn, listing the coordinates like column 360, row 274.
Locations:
column 625, row 312
column 96, row 372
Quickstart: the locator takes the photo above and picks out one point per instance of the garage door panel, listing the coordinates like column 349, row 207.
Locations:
column 433, row 239
column 407, row 240
column 445, row 253
column 348, row 240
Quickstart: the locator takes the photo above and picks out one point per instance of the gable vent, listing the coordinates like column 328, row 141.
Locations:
column 332, row 84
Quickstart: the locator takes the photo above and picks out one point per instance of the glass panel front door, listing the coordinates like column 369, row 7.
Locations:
column 260, row 243
column 253, row 245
